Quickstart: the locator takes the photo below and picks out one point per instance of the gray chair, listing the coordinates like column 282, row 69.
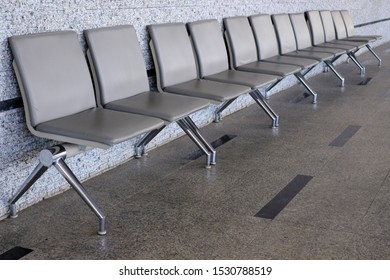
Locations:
column 345, row 31
column 257, row 50
column 176, row 68
column 323, row 35
column 213, row 64
column 59, row 103
column 351, row 33
column 305, row 47
column 120, row 77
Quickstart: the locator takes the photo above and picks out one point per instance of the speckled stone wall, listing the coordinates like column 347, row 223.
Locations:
column 19, row 149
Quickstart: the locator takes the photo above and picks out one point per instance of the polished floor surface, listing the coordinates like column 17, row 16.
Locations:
column 317, row 187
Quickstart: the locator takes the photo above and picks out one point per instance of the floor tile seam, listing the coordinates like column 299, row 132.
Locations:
column 382, row 186
column 308, row 226
column 358, row 234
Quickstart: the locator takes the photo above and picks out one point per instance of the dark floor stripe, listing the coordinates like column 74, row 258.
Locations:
column 299, row 98
column 280, row 201
column 15, row 253
column 219, row 142
column 345, row 136
column 365, row 82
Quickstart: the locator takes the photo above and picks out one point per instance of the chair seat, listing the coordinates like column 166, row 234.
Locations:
column 310, row 54
column 253, row 80
column 299, row 61
column 167, row 106
column 279, row 69
column 363, row 38
column 209, row 89
column 334, row 51
column 349, row 43
column 339, row 45
column 101, row 126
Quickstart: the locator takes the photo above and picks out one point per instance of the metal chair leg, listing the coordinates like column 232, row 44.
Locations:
column 30, row 180
column 200, row 137
column 374, row 54
column 331, row 67
column 357, row 63
column 140, row 147
column 65, row 171
column 55, row 156
column 303, row 82
column 222, row 107
column 266, row 108
column 193, row 137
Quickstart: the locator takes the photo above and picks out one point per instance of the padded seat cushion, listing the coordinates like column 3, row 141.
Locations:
column 167, row 106
column 302, row 62
column 320, row 56
column 101, row 126
column 363, row 38
column 345, row 41
column 334, row 51
column 252, row 80
column 209, row 89
column 338, row 45
column 270, row 68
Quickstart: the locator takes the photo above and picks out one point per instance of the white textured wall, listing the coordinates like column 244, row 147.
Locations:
column 18, row 148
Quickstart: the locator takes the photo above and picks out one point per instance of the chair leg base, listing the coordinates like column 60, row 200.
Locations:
column 13, row 213
column 217, row 118
column 102, row 226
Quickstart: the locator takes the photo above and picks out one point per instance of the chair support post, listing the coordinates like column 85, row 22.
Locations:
column 56, row 156
column 196, row 131
column 352, row 56
column 222, row 107
column 303, row 82
column 140, row 147
column 374, row 54
column 185, row 126
column 330, row 65
column 259, row 99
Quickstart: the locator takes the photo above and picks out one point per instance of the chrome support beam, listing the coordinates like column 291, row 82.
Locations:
column 301, row 78
column 140, row 147
column 331, row 67
column 374, row 54
column 197, row 133
column 186, row 128
column 222, row 107
column 260, row 100
column 271, row 87
column 56, row 156
column 357, row 63
column 65, row 171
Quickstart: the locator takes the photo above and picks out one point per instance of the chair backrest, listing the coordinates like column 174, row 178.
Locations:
column 173, row 55
column 327, row 21
column 316, row 27
column 301, row 31
column 285, row 33
column 264, row 32
column 341, row 32
column 53, row 75
column 209, row 46
column 117, row 62
column 239, row 36
column 348, row 23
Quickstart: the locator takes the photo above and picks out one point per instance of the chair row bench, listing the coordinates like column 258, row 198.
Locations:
column 108, row 100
